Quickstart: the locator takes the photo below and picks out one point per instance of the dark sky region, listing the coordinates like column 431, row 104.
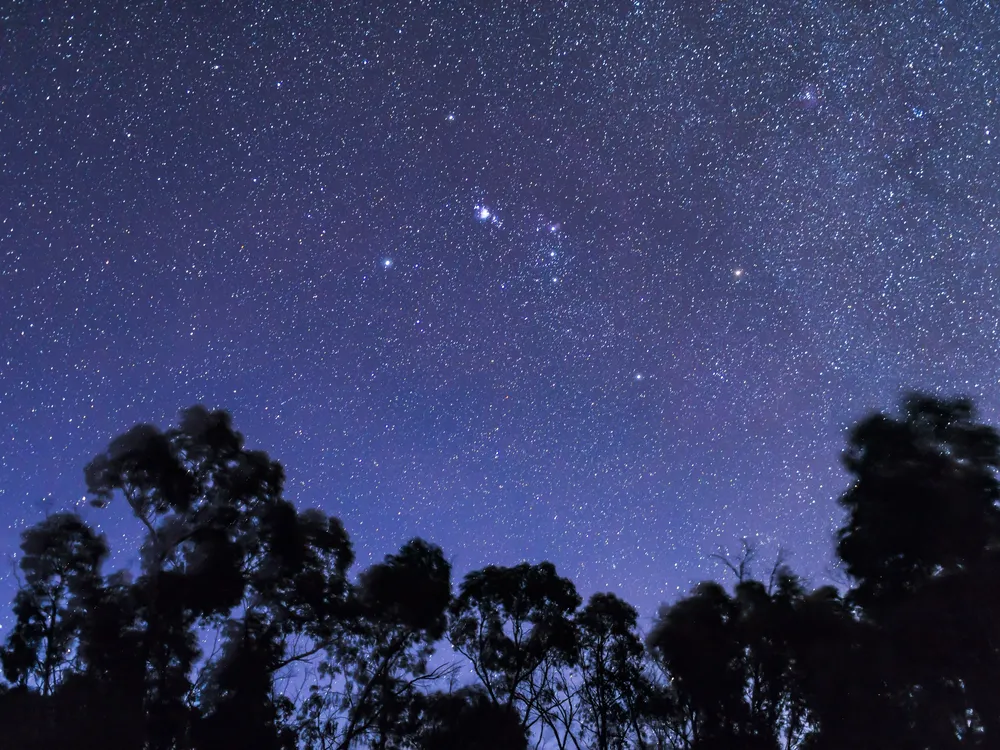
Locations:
column 602, row 283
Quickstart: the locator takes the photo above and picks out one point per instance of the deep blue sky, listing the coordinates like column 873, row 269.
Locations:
column 532, row 280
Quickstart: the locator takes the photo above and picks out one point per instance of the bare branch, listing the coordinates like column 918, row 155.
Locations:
column 742, row 567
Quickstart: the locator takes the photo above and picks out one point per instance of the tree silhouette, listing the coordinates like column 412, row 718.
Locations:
column 309, row 657
column 768, row 624
column 371, row 674
column 696, row 644
column 921, row 546
column 612, row 679
column 61, row 563
column 923, row 501
column 219, row 537
column 736, row 666
column 240, row 708
column 469, row 720
column 515, row 626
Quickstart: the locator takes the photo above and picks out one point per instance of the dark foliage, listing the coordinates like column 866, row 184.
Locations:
column 469, row 720
column 244, row 628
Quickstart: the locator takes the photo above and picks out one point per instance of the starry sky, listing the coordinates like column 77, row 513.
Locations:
column 601, row 283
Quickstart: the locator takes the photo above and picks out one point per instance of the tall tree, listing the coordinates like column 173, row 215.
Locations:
column 370, row 681
column 923, row 500
column 612, row 680
column 696, row 644
column 768, row 625
column 921, row 544
column 515, row 626
column 734, row 666
column 221, row 541
column 61, row 563
column 841, row 666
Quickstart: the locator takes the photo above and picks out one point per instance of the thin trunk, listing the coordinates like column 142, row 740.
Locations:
column 48, row 663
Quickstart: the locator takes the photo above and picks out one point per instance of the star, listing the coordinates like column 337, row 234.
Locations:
column 837, row 199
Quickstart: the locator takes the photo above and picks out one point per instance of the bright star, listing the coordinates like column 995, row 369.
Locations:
column 484, row 213
column 737, row 272
column 387, row 263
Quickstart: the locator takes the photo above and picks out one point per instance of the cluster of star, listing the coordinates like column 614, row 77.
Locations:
column 486, row 215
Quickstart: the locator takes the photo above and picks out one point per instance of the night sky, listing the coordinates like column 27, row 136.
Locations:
column 531, row 280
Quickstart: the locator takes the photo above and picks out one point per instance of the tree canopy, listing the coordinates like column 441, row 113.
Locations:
column 244, row 625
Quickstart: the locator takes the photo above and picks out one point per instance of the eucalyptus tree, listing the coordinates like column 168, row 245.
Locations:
column 516, row 627
column 921, row 545
column 61, row 559
column 613, row 679
column 371, row 681
column 222, row 549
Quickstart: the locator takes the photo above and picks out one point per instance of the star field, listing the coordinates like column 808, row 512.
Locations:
column 601, row 285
